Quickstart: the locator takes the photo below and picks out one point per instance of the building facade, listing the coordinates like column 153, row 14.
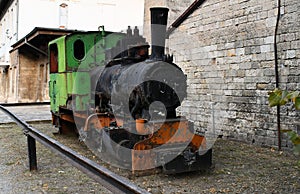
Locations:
column 26, row 78
column 22, row 16
column 227, row 50
column 18, row 18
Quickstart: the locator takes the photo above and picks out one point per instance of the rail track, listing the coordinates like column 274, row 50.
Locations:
column 105, row 177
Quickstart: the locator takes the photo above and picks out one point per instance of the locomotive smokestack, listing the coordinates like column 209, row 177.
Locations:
column 159, row 18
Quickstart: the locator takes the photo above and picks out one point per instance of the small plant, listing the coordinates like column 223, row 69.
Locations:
column 280, row 98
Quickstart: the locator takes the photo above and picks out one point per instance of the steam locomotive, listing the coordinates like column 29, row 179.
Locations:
column 122, row 101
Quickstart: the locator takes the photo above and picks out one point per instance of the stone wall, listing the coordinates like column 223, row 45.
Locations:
column 3, row 81
column 26, row 79
column 226, row 48
column 33, row 78
column 9, row 81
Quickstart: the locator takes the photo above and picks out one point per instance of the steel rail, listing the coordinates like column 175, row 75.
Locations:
column 105, row 177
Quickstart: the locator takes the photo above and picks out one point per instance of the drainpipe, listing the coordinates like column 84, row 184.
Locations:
column 18, row 54
column 17, row 76
column 17, row 21
column 277, row 73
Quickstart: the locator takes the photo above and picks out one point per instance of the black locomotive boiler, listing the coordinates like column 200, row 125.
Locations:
column 129, row 116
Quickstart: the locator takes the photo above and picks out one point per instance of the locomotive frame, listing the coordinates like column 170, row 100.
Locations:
column 79, row 104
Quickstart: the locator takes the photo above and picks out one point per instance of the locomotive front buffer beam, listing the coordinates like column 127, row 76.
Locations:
column 169, row 146
column 173, row 148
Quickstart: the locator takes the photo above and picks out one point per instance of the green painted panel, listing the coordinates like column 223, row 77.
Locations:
column 53, row 92
column 81, row 84
column 61, row 53
column 62, row 85
column 94, row 49
column 81, row 90
column 73, row 77
column 82, row 102
column 57, row 91
column 70, row 82
column 60, row 42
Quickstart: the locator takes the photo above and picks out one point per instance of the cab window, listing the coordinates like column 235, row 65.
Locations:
column 79, row 51
column 53, row 58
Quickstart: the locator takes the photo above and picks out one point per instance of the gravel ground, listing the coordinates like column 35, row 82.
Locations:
column 238, row 168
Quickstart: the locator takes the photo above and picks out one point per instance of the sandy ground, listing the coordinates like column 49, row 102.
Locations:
column 27, row 113
column 238, row 168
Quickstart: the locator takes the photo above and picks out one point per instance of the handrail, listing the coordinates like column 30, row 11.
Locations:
column 105, row 177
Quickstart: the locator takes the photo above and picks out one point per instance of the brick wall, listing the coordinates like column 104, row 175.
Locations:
column 226, row 48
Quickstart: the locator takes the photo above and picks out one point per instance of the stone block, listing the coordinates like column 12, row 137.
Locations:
column 290, row 54
column 265, row 48
column 271, row 22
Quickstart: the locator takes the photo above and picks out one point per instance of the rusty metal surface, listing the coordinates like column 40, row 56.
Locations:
column 108, row 179
column 177, row 139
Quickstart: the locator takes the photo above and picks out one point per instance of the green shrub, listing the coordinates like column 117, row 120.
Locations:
column 280, row 98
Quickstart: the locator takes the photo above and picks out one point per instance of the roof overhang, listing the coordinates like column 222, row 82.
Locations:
column 4, row 5
column 39, row 38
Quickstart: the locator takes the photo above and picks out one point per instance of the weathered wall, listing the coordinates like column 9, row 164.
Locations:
column 8, row 31
column 226, row 48
column 175, row 9
column 289, row 57
column 3, row 81
column 33, row 78
column 11, row 80
column 26, row 79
